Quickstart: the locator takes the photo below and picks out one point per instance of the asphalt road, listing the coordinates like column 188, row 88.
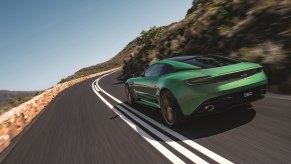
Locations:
column 91, row 123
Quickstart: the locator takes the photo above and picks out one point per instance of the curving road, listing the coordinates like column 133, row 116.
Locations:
column 91, row 123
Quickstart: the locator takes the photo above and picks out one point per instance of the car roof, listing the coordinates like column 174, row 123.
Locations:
column 181, row 58
column 176, row 62
column 199, row 61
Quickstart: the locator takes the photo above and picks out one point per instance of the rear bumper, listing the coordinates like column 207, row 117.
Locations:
column 224, row 94
column 227, row 101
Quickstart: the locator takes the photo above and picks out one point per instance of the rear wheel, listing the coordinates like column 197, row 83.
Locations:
column 129, row 96
column 170, row 109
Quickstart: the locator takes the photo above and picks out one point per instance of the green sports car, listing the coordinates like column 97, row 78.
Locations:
column 192, row 85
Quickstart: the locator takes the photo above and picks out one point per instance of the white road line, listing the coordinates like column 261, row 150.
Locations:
column 96, row 88
column 193, row 157
column 189, row 142
column 168, row 154
column 97, row 84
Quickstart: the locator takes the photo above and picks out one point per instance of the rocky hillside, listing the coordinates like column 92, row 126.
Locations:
column 255, row 30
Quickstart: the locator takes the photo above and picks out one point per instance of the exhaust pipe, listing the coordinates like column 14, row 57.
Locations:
column 208, row 108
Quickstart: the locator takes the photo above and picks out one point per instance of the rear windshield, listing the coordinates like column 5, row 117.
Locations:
column 209, row 61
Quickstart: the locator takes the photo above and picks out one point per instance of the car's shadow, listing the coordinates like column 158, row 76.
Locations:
column 208, row 125
column 205, row 126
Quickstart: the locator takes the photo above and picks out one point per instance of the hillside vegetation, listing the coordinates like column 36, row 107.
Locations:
column 10, row 99
column 254, row 30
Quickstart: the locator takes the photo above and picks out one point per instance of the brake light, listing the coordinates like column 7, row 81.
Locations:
column 196, row 80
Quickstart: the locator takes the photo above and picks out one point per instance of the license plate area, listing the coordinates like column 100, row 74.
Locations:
column 248, row 94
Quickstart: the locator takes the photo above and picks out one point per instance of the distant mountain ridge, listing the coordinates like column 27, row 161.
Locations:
column 6, row 95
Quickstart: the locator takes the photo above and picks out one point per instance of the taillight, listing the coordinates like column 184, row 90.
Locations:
column 196, row 80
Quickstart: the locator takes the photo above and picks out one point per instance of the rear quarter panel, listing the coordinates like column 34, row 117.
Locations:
column 190, row 97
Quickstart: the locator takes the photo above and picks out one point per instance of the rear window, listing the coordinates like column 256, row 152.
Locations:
column 209, row 61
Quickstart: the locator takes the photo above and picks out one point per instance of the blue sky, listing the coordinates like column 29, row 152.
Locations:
column 44, row 41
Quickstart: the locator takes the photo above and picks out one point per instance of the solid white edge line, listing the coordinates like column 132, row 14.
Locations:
column 97, row 84
column 191, row 156
column 168, row 154
column 186, row 140
column 96, row 88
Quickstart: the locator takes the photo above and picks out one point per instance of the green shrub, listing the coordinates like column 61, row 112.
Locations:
column 146, row 38
column 62, row 81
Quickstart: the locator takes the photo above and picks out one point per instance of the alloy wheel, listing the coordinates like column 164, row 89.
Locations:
column 128, row 96
column 168, row 111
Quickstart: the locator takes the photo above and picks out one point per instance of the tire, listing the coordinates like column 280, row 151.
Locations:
column 129, row 96
column 170, row 109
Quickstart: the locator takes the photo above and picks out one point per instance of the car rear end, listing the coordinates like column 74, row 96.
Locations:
column 219, row 88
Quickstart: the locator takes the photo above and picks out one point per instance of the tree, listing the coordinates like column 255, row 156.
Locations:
column 146, row 38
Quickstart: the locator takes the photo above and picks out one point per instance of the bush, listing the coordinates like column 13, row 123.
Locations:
column 137, row 62
column 146, row 38
column 62, row 81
